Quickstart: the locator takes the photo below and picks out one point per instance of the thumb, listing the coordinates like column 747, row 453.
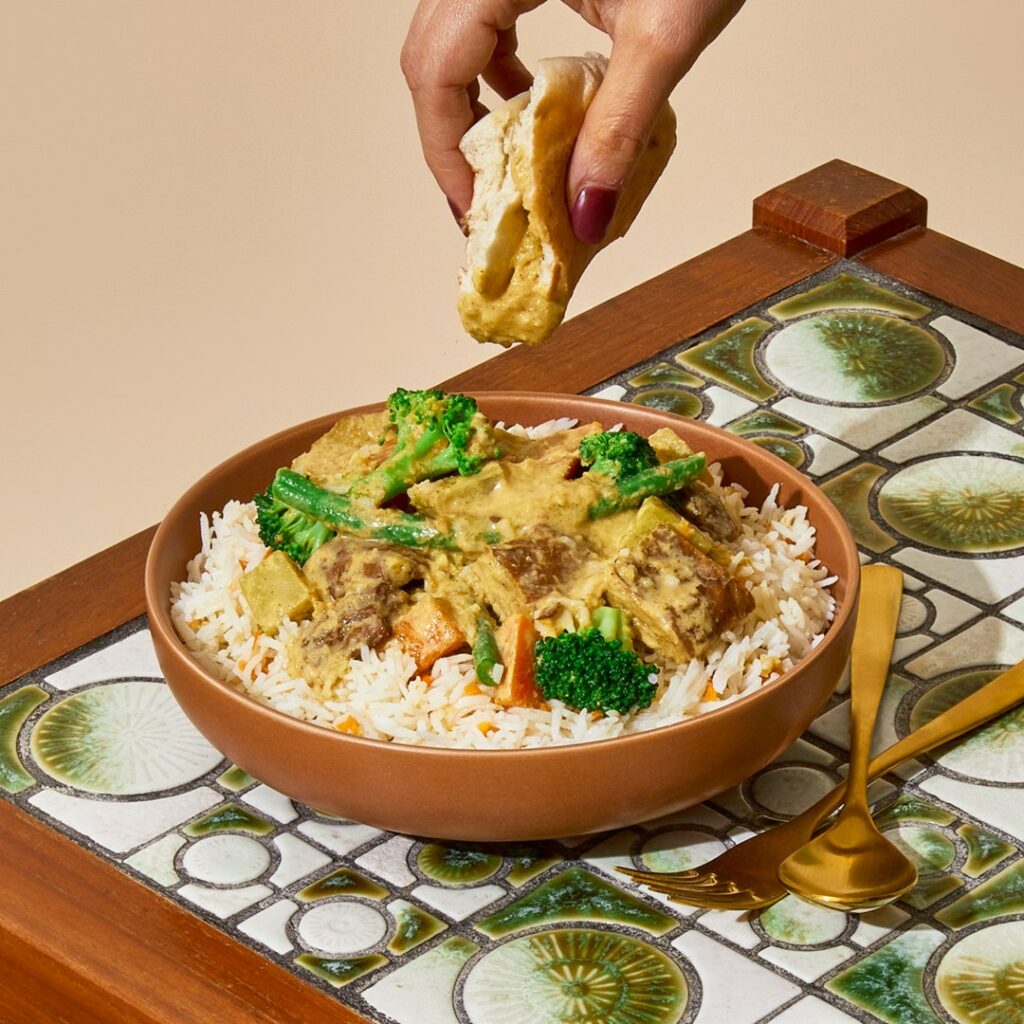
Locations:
column 615, row 131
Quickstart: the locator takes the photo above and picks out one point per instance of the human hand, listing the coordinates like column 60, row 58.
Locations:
column 452, row 44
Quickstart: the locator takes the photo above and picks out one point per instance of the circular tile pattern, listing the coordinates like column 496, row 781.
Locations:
column 575, row 976
column 855, row 358
column 340, row 928
column 927, row 847
column 226, row 860
column 121, row 739
column 790, row 789
column 679, row 850
column 682, row 403
column 995, row 752
column 981, row 979
column 801, row 923
column 457, row 865
column 961, row 503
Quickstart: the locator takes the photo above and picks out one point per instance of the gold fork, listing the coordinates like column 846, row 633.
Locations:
column 744, row 876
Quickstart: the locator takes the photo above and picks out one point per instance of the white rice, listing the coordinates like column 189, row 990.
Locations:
column 384, row 698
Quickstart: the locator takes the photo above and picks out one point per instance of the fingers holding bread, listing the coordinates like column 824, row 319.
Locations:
column 523, row 259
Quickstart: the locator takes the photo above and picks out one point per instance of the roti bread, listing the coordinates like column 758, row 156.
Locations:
column 522, row 259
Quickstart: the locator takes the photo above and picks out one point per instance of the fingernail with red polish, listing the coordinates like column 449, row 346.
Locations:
column 456, row 212
column 592, row 213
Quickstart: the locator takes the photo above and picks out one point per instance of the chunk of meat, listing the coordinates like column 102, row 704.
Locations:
column 530, row 575
column 428, row 631
column 518, row 688
column 679, row 599
column 321, row 649
column 353, row 563
column 349, row 449
column 358, row 584
column 697, row 501
column 704, row 508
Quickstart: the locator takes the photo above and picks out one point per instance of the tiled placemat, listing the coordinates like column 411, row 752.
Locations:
column 908, row 414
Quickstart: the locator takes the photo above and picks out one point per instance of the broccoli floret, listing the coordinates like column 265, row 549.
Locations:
column 617, row 453
column 288, row 530
column 361, row 518
column 586, row 671
column 438, row 434
column 630, row 468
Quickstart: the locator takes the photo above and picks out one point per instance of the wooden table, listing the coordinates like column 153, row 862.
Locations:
column 81, row 940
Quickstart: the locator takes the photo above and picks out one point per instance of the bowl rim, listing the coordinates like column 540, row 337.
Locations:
column 158, row 610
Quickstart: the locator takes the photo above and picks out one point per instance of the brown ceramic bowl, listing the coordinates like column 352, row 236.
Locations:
column 514, row 794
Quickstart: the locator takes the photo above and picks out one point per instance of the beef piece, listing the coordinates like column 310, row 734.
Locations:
column 529, row 575
column 358, row 586
column 321, row 648
column 680, row 600
column 348, row 564
column 704, row 508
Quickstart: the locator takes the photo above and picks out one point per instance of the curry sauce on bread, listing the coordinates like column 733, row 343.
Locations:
column 522, row 259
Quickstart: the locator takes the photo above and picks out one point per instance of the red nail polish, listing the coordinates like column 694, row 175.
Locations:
column 459, row 218
column 592, row 213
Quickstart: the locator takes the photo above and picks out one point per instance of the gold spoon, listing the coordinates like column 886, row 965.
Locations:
column 851, row 865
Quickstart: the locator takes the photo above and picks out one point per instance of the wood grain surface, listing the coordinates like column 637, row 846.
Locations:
column 83, row 941
column 104, row 948
column 841, row 207
column 73, row 607
column 667, row 309
column 954, row 272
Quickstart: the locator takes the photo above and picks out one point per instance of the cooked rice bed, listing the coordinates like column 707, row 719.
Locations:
column 384, row 698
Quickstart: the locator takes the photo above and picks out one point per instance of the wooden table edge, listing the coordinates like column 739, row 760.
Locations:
column 49, row 619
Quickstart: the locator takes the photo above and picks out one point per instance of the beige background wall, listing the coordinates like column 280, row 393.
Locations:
column 214, row 221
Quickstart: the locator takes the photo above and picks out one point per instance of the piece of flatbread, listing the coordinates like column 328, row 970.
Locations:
column 522, row 259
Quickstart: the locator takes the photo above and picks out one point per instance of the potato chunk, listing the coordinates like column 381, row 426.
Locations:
column 275, row 590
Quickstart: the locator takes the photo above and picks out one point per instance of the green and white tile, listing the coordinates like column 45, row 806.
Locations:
column 575, row 974
column 854, row 358
column 910, row 420
column 889, row 983
column 225, row 859
column 981, row 979
column 861, row 426
column 121, row 739
column 297, row 859
column 848, row 292
column 734, row 988
column 132, row 657
column 423, row 990
column 980, row 357
column 341, row 927
column 15, row 709
column 121, row 826
column 269, row 927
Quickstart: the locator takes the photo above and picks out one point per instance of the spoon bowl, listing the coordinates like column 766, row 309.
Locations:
column 850, row 866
